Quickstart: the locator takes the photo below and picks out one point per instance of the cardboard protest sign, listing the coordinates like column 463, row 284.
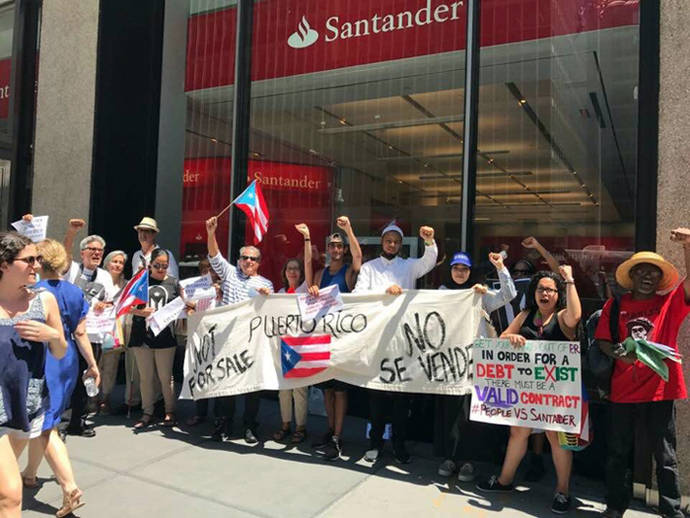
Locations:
column 418, row 342
column 536, row 386
column 36, row 229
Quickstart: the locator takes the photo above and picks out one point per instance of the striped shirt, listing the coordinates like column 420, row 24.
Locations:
column 236, row 285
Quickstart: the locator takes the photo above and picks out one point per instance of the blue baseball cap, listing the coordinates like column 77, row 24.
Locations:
column 461, row 258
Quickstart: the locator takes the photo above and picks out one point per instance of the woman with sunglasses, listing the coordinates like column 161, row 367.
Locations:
column 61, row 375
column 155, row 354
column 29, row 323
column 297, row 276
column 553, row 312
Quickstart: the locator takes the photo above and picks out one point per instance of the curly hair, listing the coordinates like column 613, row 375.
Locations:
column 530, row 298
column 11, row 244
column 286, row 283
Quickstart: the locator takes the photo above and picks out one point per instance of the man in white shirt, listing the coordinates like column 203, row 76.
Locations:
column 147, row 230
column 392, row 274
column 238, row 283
column 96, row 284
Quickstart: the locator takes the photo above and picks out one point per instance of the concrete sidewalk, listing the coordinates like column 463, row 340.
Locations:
column 180, row 472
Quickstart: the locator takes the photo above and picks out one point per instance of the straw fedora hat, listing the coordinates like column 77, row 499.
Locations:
column 147, row 224
column 669, row 277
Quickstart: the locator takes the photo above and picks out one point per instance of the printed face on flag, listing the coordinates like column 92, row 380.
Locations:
column 303, row 356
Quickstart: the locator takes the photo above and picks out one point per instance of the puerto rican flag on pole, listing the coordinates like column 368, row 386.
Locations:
column 252, row 203
column 303, row 356
column 135, row 292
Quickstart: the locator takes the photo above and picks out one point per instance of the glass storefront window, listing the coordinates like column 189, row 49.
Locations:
column 6, row 35
column 558, row 135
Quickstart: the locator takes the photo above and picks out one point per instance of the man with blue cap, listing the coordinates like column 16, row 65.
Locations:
column 392, row 274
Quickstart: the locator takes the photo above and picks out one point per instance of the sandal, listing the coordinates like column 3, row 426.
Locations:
column 281, row 434
column 298, row 436
column 29, row 482
column 169, row 420
column 70, row 503
column 144, row 422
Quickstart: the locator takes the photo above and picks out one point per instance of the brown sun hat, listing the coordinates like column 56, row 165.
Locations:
column 669, row 278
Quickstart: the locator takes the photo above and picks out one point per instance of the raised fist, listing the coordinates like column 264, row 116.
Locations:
column 303, row 229
column 343, row 223
column 75, row 225
column 211, row 225
column 496, row 260
column 566, row 272
column 426, row 233
column 681, row 235
column 530, row 242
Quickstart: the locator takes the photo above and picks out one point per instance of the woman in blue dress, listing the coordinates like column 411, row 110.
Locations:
column 61, row 374
column 29, row 325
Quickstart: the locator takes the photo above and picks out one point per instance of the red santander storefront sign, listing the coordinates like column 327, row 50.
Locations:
column 293, row 37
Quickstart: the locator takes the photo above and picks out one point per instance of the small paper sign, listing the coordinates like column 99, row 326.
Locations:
column 100, row 323
column 35, row 229
column 197, row 288
column 165, row 315
column 328, row 301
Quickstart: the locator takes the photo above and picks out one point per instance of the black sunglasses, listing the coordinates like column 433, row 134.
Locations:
column 249, row 258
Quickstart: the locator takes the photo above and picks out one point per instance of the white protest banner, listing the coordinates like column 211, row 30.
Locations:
column 537, row 386
column 100, row 323
column 328, row 301
column 196, row 288
column 165, row 315
column 35, row 229
column 419, row 341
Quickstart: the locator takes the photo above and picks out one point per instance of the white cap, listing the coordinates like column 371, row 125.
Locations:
column 393, row 228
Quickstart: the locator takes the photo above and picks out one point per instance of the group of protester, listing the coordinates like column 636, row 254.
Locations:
column 47, row 357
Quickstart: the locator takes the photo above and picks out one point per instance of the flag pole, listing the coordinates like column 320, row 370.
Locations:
column 224, row 210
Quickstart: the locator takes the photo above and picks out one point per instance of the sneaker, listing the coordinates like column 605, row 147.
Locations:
column 372, row 455
column 493, row 486
column 561, row 503
column 466, row 473
column 401, row 455
column 250, row 436
column 536, row 470
column 333, row 449
column 611, row 513
column 220, row 431
column 447, row 468
column 325, row 440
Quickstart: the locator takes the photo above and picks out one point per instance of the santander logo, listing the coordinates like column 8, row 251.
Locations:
column 304, row 36
column 336, row 29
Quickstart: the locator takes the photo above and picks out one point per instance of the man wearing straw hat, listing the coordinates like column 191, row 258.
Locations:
column 657, row 300
column 147, row 230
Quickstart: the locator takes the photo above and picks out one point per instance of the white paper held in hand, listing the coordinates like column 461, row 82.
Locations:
column 36, row 229
column 328, row 301
column 165, row 315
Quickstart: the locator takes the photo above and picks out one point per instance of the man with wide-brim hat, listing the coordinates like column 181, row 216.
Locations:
column 147, row 230
column 638, row 394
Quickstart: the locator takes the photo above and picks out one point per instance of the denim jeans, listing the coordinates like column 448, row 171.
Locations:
column 660, row 417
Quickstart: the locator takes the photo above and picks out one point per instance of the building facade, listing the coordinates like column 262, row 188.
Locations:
column 566, row 124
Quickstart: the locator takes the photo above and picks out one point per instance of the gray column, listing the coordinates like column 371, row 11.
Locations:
column 673, row 209
column 65, row 111
column 171, row 132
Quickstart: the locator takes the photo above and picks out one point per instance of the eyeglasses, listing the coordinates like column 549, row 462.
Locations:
column 249, row 258
column 93, row 249
column 30, row 259
column 159, row 266
column 548, row 291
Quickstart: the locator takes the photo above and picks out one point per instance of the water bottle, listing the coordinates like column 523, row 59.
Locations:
column 90, row 385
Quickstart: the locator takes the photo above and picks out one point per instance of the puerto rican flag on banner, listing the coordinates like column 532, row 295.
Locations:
column 252, row 203
column 135, row 292
column 303, row 356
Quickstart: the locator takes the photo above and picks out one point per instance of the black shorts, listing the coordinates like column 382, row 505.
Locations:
column 335, row 385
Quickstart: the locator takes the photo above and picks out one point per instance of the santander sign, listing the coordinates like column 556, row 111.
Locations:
column 376, row 24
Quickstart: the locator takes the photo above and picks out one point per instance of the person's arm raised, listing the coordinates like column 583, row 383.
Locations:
column 73, row 227
column 531, row 242
column 426, row 263
column 303, row 229
column 573, row 309
column 682, row 235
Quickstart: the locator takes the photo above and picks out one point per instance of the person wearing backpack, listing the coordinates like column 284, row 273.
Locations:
column 654, row 309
